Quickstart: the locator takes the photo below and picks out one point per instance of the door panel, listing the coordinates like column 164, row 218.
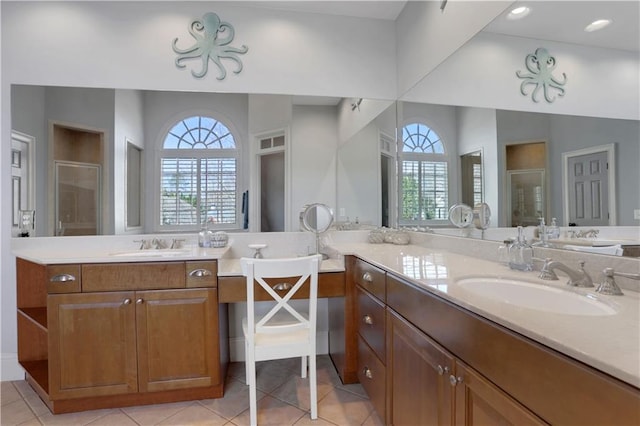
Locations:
column 177, row 339
column 421, row 393
column 92, row 348
column 588, row 189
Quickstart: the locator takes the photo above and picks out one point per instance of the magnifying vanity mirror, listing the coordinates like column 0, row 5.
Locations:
column 316, row 218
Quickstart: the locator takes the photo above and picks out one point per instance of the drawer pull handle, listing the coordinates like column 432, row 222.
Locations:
column 367, row 319
column 199, row 273
column 367, row 277
column 281, row 287
column 367, row 373
column 454, row 380
column 62, row 278
column 139, row 301
column 126, row 301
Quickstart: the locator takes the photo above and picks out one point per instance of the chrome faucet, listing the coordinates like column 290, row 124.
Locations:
column 578, row 278
column 159, row 244
column 588, row 233
column 608, row 285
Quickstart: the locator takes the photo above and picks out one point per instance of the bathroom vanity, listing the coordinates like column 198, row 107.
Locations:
column 96, row 335
column 425, row 360
column 426, row 349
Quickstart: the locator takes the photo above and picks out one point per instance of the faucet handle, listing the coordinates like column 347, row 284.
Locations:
column 608, row 285
column 144, row 244
column 547, row 273
column 176, row 243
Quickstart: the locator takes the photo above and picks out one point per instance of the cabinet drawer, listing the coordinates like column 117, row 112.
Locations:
column 371, row 322
column 63, row 279
column 132, row 276
column 370, row 278
column 372, row 376
column 202, row 274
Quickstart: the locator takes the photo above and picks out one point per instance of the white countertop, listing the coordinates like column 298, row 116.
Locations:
column 46, row 256
column 608, row 343
column 231, row 267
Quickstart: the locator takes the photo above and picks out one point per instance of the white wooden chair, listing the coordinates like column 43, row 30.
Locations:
column 283, row 332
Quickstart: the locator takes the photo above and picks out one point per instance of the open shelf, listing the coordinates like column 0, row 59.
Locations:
column 37, row 315
column 39, row 371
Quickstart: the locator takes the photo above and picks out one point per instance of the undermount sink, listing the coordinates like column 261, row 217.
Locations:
column 151, row 253
column 534, row 296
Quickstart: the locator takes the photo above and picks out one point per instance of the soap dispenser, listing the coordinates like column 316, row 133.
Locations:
column 521, row 253
column 553, row 231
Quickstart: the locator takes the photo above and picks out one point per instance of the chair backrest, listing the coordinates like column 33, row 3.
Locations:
column 301, row 268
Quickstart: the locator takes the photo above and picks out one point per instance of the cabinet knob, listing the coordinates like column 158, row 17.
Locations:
column 200, row 273
column 126, row 301
column 367, row 277
column 442, row 370
column 367, row 373
column 139, row 301
column 367, row 319
column 62, row 278
column 454, row 380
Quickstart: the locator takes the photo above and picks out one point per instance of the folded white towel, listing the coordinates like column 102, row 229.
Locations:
column 615, row 250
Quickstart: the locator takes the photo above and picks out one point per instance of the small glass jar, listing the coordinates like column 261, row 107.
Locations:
column 204, row 238
column 503, row 251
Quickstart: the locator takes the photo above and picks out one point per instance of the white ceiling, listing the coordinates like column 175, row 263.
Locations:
column 564, row 21
column 389, row 9
column 553, row 20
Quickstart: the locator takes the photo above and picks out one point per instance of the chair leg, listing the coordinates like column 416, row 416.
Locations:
column 313, row 386
column 303, row 370
column 246, row 362
column 251, row 378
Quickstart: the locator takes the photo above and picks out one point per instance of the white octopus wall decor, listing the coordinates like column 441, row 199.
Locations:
column 213, row 37
column 541, row 65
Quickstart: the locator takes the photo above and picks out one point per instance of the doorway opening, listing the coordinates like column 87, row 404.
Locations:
column 76, row 182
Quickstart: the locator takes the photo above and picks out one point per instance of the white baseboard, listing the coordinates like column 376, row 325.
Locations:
column 236, row 346
column 10, row 368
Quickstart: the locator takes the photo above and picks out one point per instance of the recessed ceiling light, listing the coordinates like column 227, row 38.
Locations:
column 597, row 25
column 518, row 13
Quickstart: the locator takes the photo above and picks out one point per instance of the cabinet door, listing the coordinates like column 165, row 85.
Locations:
column 177, row 339
column 419, row 369
column 479, row 402
column 92, row 344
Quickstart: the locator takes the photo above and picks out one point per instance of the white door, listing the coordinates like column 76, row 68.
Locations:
column 22, row 179
column 588, row 189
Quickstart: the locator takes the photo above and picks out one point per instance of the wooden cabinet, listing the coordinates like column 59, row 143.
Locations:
column 480, row 402
column 370, row 325
column 429, row 386
column 419, row 369
column 444, row 364
column 106, row 344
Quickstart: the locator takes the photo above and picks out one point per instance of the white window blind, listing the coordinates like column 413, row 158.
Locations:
column 200, row 187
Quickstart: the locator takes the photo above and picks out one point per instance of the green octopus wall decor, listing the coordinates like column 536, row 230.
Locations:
column 213, row 37
column 541, row 65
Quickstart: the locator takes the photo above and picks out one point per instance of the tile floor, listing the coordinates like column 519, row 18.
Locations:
column 283, row 399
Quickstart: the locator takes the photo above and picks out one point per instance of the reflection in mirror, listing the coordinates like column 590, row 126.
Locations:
column 77, row 198
column 366, row 168
column 460, row 215
column 471, row 178
column 134, row 186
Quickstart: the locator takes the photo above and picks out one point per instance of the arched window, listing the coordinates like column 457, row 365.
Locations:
column 198, row 175
column 424, row 180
